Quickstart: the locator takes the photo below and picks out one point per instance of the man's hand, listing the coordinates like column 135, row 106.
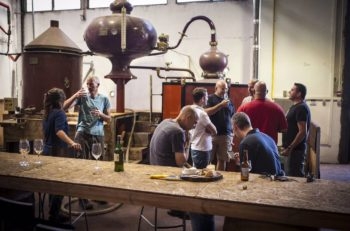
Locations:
column 224, row 103
column 286, row 151
column 81, row 93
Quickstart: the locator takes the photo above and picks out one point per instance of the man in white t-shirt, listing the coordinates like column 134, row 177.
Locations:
column 250, row 97
column 201, row 146
column 201, row 143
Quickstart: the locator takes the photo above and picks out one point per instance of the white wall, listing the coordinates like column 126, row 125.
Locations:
column 297, row 45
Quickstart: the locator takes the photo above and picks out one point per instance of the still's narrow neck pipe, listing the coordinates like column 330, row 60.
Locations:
column 213, row 41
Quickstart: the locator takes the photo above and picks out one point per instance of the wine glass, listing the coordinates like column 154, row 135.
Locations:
column 96, row 152
column 24, row 149
column 38, row 145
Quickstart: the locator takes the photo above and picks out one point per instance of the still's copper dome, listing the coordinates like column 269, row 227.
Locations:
column 105, row 36
column 53, row 39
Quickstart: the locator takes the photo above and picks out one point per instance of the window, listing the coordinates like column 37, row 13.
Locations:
column 184, row 1
column 106, row 3
column 47, row 5
column 39, row 5
column 99, row 3
column 66, row 4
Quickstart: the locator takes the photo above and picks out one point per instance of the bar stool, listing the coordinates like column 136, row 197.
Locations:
column 155, row 224
column 42, row 198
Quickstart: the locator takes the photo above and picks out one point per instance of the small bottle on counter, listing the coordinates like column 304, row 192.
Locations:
column 245, row 166
column 118, row 156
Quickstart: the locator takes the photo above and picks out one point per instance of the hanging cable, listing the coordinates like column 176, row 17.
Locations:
column 8, row 32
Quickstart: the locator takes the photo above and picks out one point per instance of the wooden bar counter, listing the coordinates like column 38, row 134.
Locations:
column 30, row 127
column 321, row 203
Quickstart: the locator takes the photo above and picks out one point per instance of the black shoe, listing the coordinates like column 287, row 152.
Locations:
column 59, row 218
column 179, row 214
column 85, row 204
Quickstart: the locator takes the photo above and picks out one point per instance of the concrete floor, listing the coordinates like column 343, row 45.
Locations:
column 126, row 216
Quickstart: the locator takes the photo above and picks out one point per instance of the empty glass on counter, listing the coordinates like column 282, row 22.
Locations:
column 24, row 149
column 38, row 146
column 96, row 152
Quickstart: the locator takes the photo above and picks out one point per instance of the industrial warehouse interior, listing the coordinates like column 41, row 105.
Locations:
column 138, row 64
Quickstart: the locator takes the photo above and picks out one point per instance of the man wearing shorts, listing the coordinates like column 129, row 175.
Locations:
column 220, row 109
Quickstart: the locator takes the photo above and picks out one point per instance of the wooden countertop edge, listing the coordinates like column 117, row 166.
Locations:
column 275, row 214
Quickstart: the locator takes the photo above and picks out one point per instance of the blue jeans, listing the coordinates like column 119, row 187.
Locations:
column 200, row 158
column 202, row 222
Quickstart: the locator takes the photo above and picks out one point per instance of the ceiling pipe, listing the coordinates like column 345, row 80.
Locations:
column 256, row 42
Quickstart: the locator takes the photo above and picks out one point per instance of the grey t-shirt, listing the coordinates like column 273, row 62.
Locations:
column 167, row 139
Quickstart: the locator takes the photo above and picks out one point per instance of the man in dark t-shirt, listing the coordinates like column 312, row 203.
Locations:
column 294, row 140
column 220, row 110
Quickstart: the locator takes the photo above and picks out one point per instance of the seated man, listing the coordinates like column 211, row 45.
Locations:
column 167, row 147
column 262, row 150
column 263, row 153
column 168, row 143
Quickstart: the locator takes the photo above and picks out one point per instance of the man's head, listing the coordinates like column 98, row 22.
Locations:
column 298, row 92
column 92, row 84
column 187, row 118
column 260, row 90
column 251, row 84
column 221, row 88
column 200, row 96
column 241, row 124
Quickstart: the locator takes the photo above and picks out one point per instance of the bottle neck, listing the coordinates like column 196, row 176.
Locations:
column 245, row 156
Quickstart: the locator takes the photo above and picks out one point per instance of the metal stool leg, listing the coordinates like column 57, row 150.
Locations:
column 155, row 224
column 79, row 216
column 41, row 203
column 140, row 218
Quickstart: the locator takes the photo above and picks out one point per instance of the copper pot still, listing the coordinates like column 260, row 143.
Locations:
column 120, row 38
column 51, row 60
column 213, row 63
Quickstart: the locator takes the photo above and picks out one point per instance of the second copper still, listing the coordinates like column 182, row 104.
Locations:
column 50, row 60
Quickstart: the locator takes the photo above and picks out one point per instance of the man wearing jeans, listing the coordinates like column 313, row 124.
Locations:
column 294, row 140
column 201, row 143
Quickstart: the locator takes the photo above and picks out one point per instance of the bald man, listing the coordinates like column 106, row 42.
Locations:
column 220, row 110
column 264, row 114
column 167, row 147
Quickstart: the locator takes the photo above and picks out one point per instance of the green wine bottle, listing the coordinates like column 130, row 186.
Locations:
column 118, row 156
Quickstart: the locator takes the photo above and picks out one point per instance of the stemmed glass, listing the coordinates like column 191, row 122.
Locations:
column 96, row 152
column 24, row 149
column 38, row 148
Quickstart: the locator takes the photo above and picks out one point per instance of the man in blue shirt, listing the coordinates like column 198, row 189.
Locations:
column 94, row 109
column 262, row 149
